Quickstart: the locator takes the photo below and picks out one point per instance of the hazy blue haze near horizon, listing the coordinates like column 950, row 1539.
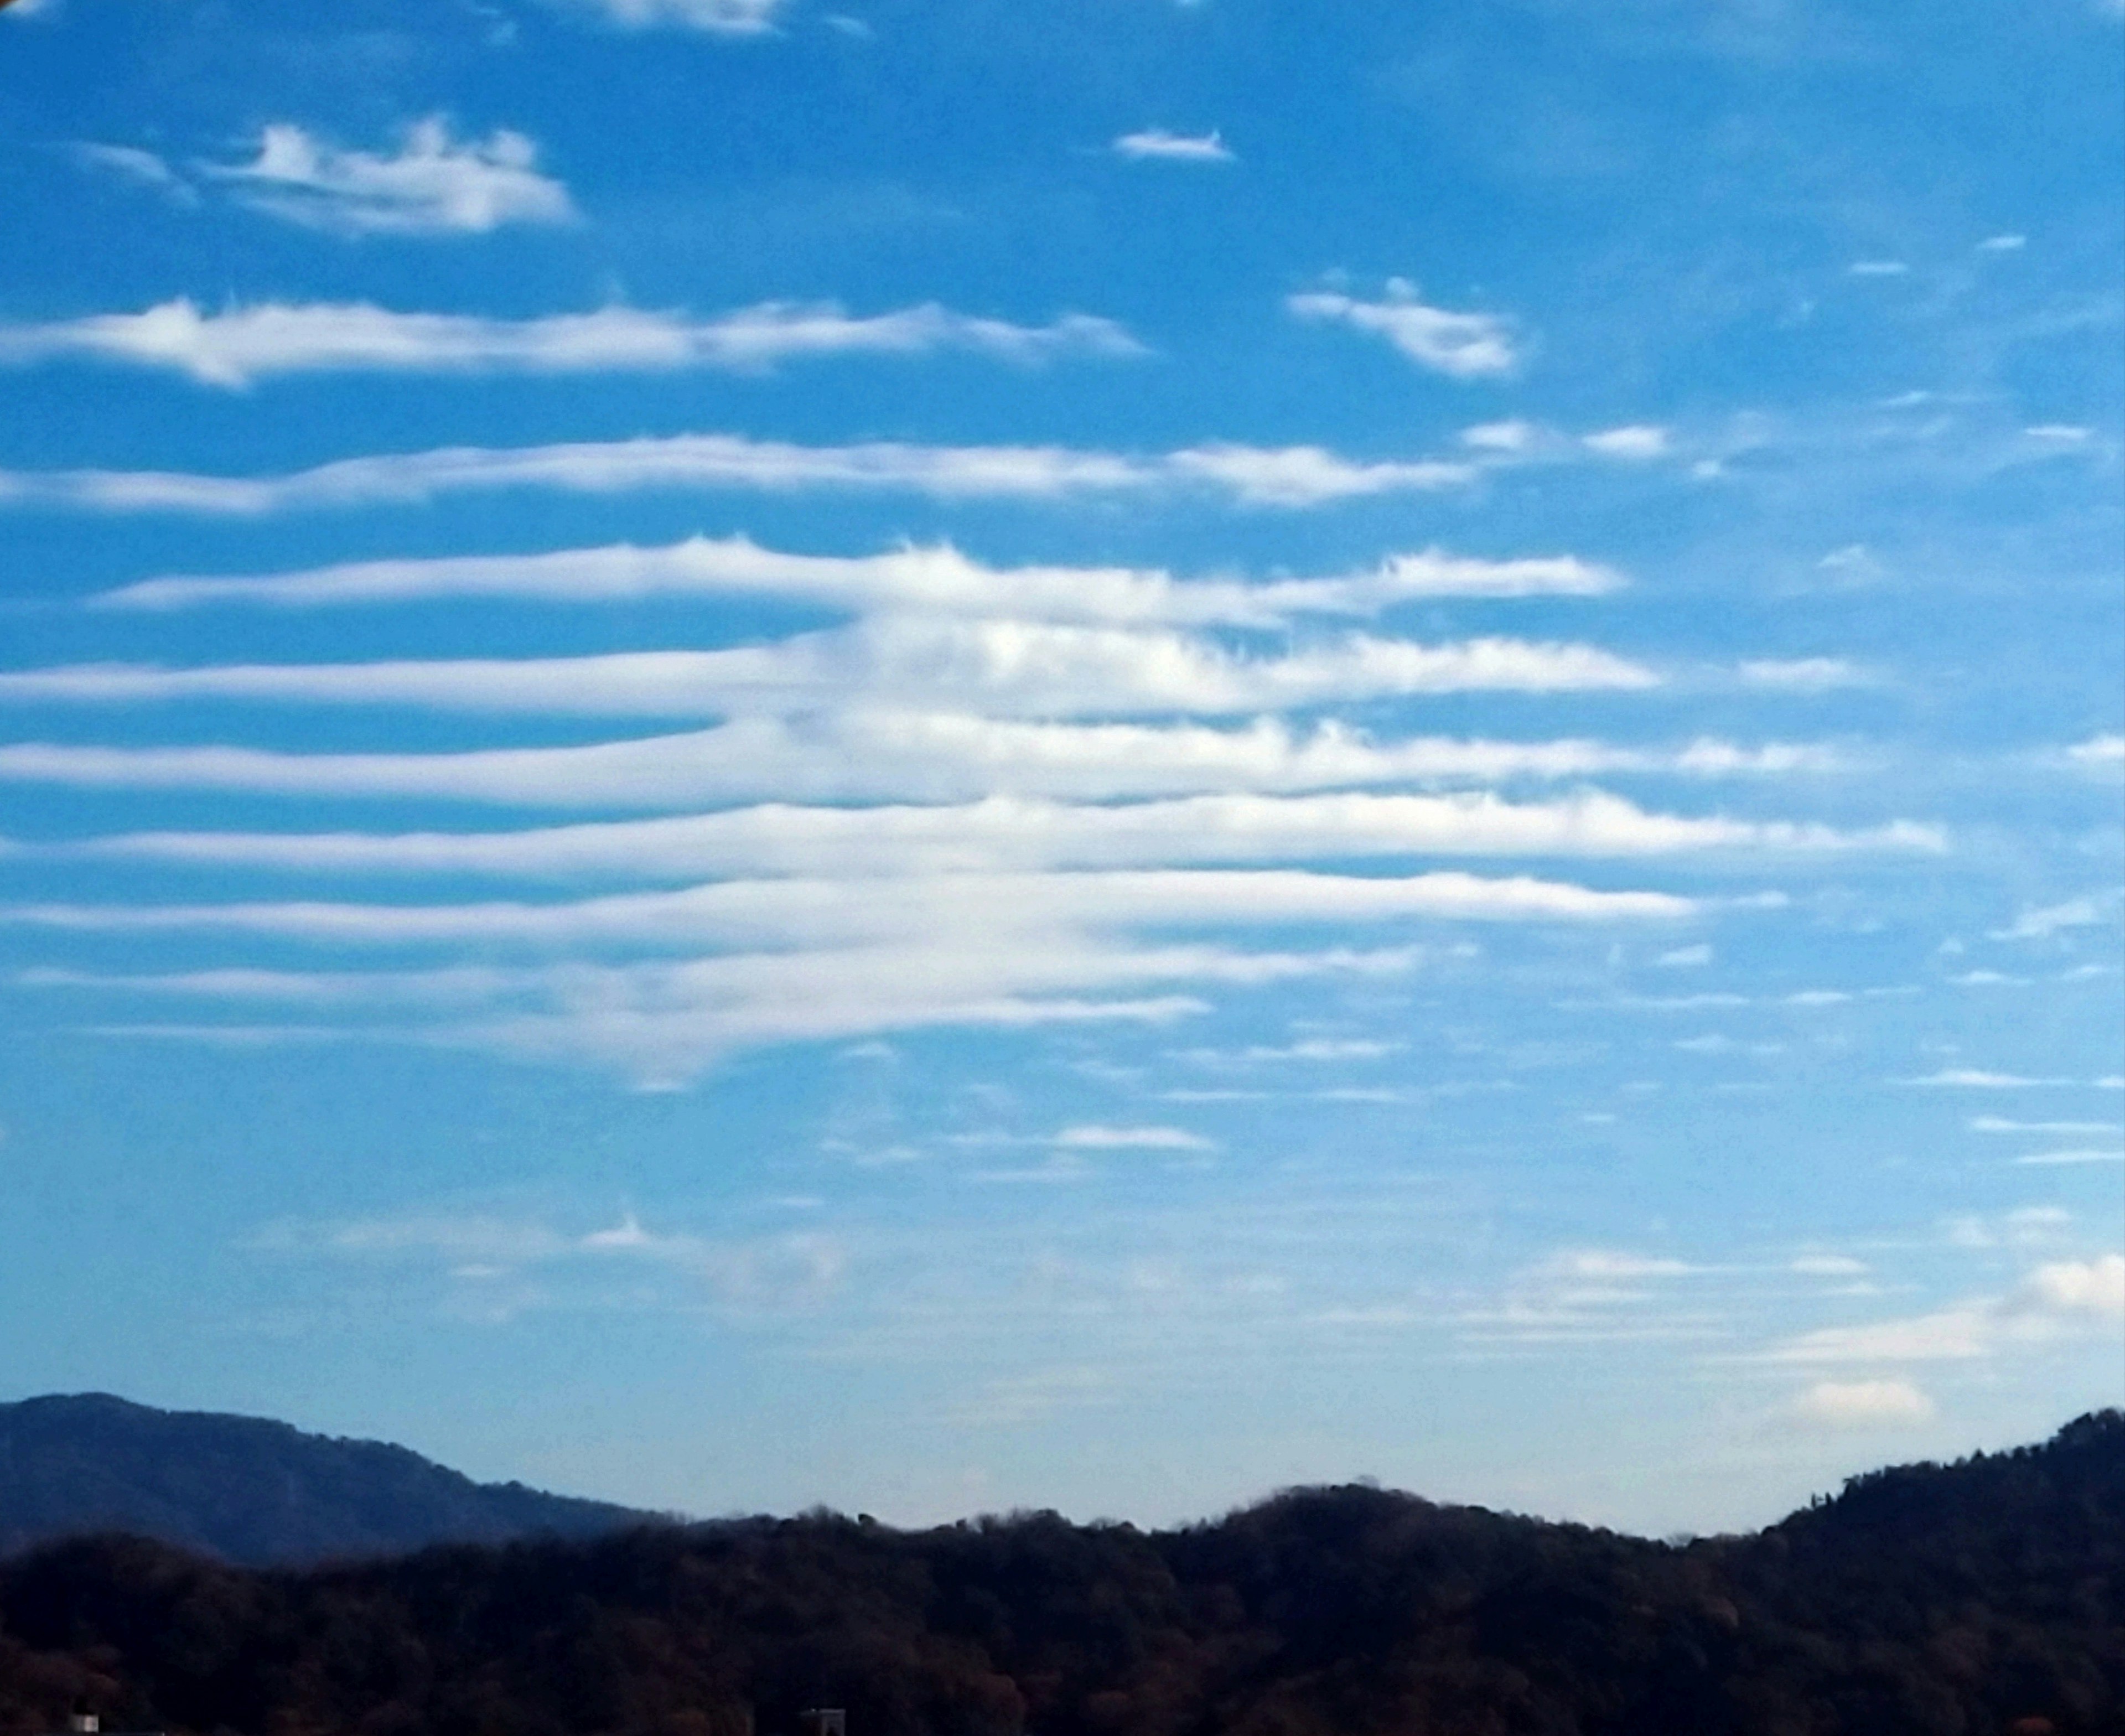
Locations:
column 951, row 757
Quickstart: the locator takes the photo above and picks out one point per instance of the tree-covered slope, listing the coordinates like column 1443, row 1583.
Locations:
column 1986, row 1598
column 249, row 1491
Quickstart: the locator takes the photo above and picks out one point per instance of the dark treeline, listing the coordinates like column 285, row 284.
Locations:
column 1986, row 1598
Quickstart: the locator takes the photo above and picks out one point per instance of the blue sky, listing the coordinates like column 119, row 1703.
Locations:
column 956, row 756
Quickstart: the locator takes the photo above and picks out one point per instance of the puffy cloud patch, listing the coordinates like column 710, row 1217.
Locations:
column 1861, row 1404
column 433, row 184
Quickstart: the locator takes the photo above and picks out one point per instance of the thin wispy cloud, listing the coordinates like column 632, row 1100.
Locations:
column 845, row 754
column 240, row 346
column 433, row 183
column 2053, row 1299
column 1804, row 674
column 1155, row 143
column 807, row 960
column 1005, row 668
column 738, row 18
column 1000, row 832
column 135, row 167
column 935, row 580
column 1462, row 346
column 1289, row 476
column 1862, row 1404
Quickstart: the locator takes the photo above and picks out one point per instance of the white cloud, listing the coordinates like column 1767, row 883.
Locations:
column 1157, row 145
column 138, row 167
column 1828, row 1266
column 1862, row 1404
column 1636, row 441
column 2041, row 923
column 2055, row 1300
column 814, row 960
column 930, row 756
column 240, row 346
column 1001, row 667
column 1685, row 958
column 820, row 913
column 716, row 17
column 2094, row 1287
column 1997, row 1124
column 1803, row 674
column 1972, row 1078
column 2003, row 243
column 934, row 580
column 1321, row 1050
column 2064, row 1160
column 1500, row 437
column 2098, row 750
column 2060, row 433
column 1463, row 346
column 1955, row 1334
column 434, row 184
column 1854, row 563
column 1098, row 1138
column 1606, row 1264
column 997, row 833
column 477, row 1252
column 1878, row 268
column 1291, row 476
column 1307, row 476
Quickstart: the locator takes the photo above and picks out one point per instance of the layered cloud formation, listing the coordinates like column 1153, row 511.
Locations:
column 982, row 796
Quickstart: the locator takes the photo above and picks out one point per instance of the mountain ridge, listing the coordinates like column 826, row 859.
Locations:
column 1986, row 1597
column 250, row 1490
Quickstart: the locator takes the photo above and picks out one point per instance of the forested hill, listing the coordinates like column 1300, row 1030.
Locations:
column 1986, row 1598
column 250, row 1491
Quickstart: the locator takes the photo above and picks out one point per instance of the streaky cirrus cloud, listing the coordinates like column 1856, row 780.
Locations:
column 713, row 17
column 135, row 167
column 1463, row 346
column 433, row 183
column 936, row 579
column 817, row 913
column 2052, row 1300
column 240, row 346
column 1292, row 477
column 621, row 982
column 1977, row 1078
column 1155, row 143
column 1001, row 667
column 1805, row 674
column 851, row 755
column 1003, row 832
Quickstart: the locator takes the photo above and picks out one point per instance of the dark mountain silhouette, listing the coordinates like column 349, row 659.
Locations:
column 248, row 1491
column 1984, row 1598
